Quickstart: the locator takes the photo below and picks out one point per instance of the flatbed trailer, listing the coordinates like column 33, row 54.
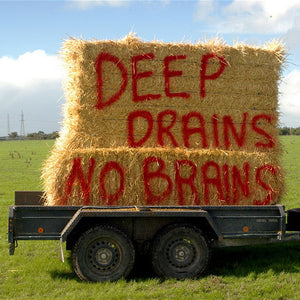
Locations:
column 104, row 240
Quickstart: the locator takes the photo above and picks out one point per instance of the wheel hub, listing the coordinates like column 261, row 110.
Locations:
column 180, row 253
column 104, row 256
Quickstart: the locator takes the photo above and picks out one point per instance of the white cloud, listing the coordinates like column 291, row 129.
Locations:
column 269, row 16
column 292, row 41
column 289, row 99
column 32, row 83
column 30, row 67
column 252, row 16
column 205, row 9
column 86, row 4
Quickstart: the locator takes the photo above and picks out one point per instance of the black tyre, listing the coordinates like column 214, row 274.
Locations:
column 180, row 251
column 293, row 219
column 103, row 253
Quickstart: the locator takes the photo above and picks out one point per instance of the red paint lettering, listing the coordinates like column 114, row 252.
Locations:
column 260, row 131
column 215, row 181
column 180, row 181
column 237, row 182
column 98, row 65
column 111, row 199
column 136, row 76
column 85, row 184
column 187, row 131
column 166, row 129
column 130, row 124
column 204, row 76
column 264, row 185
column 150, row 197
column 172, row 73
column 225, row 170
column 239, row 138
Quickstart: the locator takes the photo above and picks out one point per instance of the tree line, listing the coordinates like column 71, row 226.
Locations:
column 40, row 135
column 289, row 131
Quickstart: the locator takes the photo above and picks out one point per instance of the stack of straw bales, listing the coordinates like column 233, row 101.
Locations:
column 167, row 124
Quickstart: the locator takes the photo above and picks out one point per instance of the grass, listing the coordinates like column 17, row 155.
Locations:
column 291, row 163
column 35, row 271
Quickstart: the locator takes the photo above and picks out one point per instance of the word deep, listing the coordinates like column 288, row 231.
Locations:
column 137, row 76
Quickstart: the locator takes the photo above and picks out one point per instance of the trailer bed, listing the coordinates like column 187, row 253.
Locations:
column 229, row 222
column 104, row 239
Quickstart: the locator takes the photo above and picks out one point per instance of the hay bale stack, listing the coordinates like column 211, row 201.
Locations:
column 131, row 102
column 245, row 94
column 158, row 176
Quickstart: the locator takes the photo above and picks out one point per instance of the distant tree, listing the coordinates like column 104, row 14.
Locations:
column 284, row 131
column 13, row 135
column 41, row 135
column 297, row 131
column 289, row 131
column 292, row 131
column 53, row 135
column 30, row 136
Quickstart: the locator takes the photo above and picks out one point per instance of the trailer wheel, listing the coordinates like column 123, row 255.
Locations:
column 103, row 253
column 180, row 251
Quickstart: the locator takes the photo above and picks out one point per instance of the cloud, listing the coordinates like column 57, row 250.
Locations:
column 32, row 83
column 86, row 4
column 292, row 41
column 30, row 67
column 253, row 16
column 289, row 99
column 269, row 16
column 206, row 10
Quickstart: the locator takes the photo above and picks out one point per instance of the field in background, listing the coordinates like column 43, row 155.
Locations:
column 35, row 271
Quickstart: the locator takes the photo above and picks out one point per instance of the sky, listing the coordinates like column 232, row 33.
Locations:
column 32, row 34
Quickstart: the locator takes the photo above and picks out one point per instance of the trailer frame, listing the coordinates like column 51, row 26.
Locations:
column 218, row 226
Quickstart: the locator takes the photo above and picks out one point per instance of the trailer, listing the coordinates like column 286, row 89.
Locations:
column 105, row 240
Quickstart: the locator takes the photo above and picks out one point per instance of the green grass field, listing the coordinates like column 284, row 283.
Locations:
column 35, row 271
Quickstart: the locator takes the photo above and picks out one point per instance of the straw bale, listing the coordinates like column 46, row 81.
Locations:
column 247, row 84
column 194, row 124
column 242, row 138
column 160, row 176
